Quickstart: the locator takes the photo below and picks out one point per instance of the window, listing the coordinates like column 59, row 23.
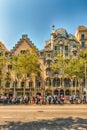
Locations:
column 66, row 48
column 0, row 54
column 9, row 66
column 66, row 54
column 55, row 47
column 22, row 51
column 48, row 71
column 48, row 82
column 82, row 36
column 49, row 55
column 38, row 83
column 31, row 84
column 15, row 84
column 83, row 44
column 7, row 84
column 22, row 84
column 74, row 46
column 48, row 63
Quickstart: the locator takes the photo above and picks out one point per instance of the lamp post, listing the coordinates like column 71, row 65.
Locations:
column 14, row 84
column 14, row 87
column 86, row 79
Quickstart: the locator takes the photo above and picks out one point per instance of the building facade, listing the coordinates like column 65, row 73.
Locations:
column 81, row 35
column 48, row 82
column 60, row 43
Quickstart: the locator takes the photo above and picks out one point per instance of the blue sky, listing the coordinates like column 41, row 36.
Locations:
column 35, row 18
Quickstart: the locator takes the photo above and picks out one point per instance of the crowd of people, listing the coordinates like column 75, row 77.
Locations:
column 38, row 99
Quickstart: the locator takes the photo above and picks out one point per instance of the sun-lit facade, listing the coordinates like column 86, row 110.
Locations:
column 81, row 35
column 60, row 43
column 48, row 82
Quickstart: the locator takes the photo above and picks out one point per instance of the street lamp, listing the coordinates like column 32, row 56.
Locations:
column 14, row 88
column 86, row 79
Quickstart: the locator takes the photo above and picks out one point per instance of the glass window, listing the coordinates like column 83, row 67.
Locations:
column 0, row 54
column 55, row 47
column 9, row 66
column 38, row 84
column 82, row 36
column 66, row 54
column 66, row 48
column 47, row 71
column 83, row 44
column 74, row 46
column 22, row 84
column 58, row 47
column 48, row 62
column 15, row 84
column 22, row 51
column 30, row 84
column 7, row 84
column 48, row 55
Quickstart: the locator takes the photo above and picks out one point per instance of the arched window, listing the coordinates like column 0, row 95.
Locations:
column 48, row 82
column 56, row 92
column 67, row 82
column 82, row 36
column 31, row 84
column 83, row 44
column 38, row 83
column 61, row 92
column 67, row 92
column 15, row 84
column 7, row 84
column 48, row 70
column 22, row 84
column 56, row 82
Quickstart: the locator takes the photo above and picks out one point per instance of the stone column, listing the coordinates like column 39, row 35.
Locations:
column 52, row 86
column 71, row 86
column 34, row 85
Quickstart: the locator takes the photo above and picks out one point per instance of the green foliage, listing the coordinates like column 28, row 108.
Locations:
column 59, row 64
column 1, row 62
column 74, row 68
column 71, row 67
column 27, row 63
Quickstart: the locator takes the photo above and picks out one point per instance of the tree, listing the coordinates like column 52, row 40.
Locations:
column 26, row 64
column 1, row 68
column 75, row 69
column 59, row 66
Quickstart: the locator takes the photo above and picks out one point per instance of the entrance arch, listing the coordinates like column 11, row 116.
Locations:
column 67, row 92
column 61, row 92
column 38, row 93
column 77, row 92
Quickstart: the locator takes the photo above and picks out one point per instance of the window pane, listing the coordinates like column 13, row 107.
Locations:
column 83, row 44
column 82, row 36
column 66, row 48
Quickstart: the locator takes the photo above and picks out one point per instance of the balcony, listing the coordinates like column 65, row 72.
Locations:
column 48, row 58
column 74, row 50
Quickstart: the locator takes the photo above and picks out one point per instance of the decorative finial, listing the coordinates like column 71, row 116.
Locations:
column 53, row 27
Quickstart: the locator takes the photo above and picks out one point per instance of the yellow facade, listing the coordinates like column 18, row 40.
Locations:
column 81, row 35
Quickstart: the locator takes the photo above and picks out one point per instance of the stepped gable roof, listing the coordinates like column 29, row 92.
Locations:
column 24, row 38
column 2, row 47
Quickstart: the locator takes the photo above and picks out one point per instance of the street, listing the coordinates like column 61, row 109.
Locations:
column 43, row 117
